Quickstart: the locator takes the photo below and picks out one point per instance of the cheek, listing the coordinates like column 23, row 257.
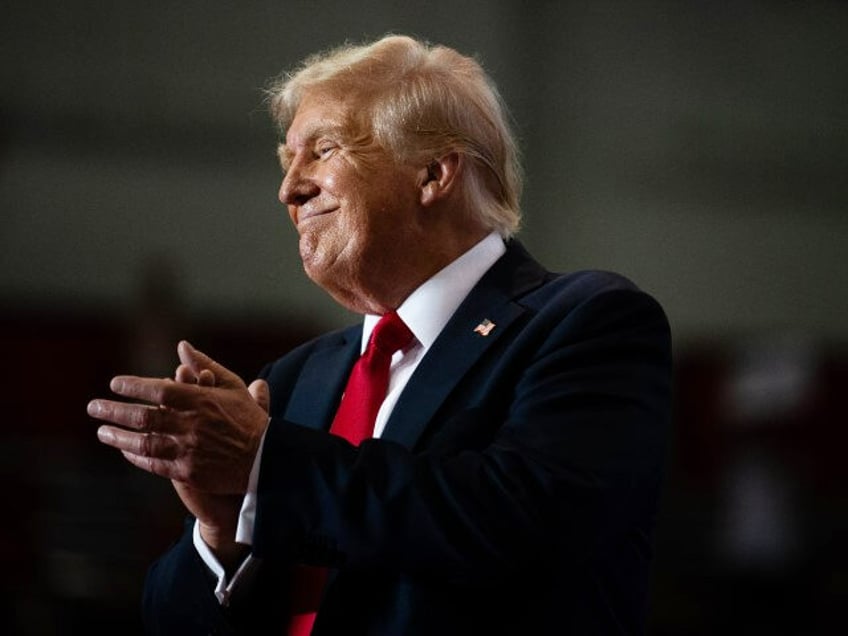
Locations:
column 330, row 182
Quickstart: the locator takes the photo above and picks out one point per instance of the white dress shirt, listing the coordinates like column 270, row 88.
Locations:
column 426, row 311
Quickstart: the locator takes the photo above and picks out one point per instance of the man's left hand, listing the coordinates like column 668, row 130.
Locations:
column 205, row 437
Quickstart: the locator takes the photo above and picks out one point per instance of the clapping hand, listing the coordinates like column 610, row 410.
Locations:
column 201, row 430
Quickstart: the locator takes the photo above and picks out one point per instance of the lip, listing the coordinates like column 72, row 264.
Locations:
column 305, row 214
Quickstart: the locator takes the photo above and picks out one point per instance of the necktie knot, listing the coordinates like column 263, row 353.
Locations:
column 391, row 333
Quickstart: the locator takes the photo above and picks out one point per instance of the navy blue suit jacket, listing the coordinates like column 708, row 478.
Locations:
column 514, row 488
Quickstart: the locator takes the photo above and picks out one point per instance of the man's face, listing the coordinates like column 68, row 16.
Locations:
column 356, row 209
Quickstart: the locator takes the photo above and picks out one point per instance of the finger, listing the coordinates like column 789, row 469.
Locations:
column 141, row 417
column 206, row 378
column 197, row 361
column 177, row 395
column 149, row 445
column 152, row 465
column 260, row 393
column 185, row 375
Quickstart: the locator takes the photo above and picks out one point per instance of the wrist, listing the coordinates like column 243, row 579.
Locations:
column 221, row 541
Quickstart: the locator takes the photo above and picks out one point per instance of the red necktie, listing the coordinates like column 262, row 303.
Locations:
column 364, row 393
column 369, row 379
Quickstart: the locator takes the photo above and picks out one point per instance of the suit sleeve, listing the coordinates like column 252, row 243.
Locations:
column 179, row 598
column 556, row 455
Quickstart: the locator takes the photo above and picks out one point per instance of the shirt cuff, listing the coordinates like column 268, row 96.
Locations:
column 244, row 534
column 223, row 588
column 247, row 514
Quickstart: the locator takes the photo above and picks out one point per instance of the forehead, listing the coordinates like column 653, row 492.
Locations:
column 315, row 116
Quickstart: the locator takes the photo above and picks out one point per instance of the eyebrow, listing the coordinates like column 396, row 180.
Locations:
column 284, row 154
column 310, row 136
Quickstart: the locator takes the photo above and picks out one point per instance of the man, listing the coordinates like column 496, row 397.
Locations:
column 510, row 480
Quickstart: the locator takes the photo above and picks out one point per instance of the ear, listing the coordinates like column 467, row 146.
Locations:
column 439, row 178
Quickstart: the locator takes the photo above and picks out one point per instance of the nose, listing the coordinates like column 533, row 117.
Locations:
column 298, row 186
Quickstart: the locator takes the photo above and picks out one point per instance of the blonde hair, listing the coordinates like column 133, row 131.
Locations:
column 419, row 102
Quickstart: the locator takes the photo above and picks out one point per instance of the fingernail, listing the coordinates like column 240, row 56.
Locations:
column 116, row 385
column 94, row 408
column 105, row 435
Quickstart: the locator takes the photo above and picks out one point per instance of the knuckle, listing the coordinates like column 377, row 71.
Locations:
column 170, row 448
column 191, row 474
column 177, row 393
column 163, row 392
column 144, row 446
column 144, row 419
column 192, row 441
column 179, row 473
column 153, row 419
column 146, row 463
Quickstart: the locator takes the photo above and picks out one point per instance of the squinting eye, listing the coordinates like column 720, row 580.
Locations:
column 323, row 151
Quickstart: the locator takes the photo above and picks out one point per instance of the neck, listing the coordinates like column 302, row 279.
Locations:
column 384, row 292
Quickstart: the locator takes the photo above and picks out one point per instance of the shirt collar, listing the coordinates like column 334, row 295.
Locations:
column 427, row 310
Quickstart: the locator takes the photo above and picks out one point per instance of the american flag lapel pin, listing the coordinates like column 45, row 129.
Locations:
column 485, row 327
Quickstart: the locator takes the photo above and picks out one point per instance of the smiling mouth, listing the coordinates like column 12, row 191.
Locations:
column 304, row 215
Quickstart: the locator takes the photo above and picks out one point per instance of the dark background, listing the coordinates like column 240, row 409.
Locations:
column 699, row 148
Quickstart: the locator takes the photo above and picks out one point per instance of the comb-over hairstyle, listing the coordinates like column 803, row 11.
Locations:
column 419, row 102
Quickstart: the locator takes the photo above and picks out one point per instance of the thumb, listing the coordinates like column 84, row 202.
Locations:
column 198, row 362
column 260, row 393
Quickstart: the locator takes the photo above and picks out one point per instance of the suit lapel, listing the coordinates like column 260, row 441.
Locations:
column 324, row 373
column 459, row 345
